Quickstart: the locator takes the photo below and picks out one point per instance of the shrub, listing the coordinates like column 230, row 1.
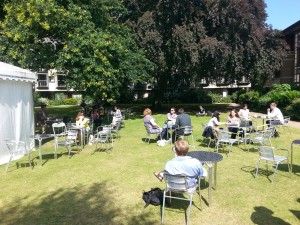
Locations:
column 282, row 87
column 283, row 98
column 264, row 102
column 226, row 99
column 203, row 97
column 36, row 96
column 215, row 98
column 294, row 109
column 251, row 98
column 43, row 101
column 70, row 101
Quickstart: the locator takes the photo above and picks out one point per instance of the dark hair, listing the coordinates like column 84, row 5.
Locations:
column 217, row 115
column 181, row 110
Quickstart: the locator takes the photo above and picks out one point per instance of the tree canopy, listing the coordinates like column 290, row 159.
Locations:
column 212, row 40
column 83, row 38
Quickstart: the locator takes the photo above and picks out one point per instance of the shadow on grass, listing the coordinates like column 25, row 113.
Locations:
column 96, row 204
column 263, row 215
column 296, row 212
column 267, row 173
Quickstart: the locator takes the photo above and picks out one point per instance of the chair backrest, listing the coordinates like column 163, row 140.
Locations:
column 224, row 135
column 187, row 130
column 72, row 134
column 147, row 129
column 266, row 152
column 59, row 128
column 16, row 147
column 286, row 119
column 245, row 123
column 268, row 133
column 176, row 182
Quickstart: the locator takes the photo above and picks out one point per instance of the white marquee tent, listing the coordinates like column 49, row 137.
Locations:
column 16, row 106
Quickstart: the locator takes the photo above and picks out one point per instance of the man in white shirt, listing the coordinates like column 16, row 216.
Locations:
column 244, row 113
column 275, row 115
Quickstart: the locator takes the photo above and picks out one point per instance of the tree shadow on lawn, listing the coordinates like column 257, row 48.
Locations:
column 296, row 212
column 263, row 215
column 97, row 204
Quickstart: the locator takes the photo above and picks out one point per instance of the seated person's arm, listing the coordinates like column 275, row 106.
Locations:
column 153, row 123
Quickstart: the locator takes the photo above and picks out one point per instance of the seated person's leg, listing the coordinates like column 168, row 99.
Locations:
column 163, row 133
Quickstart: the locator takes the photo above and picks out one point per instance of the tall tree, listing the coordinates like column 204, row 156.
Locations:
column 84, row 38
column 214, row 40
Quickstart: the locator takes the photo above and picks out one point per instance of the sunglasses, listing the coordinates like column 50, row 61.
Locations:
column 172, row 110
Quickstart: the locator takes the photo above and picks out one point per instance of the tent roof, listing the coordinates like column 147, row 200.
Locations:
column 10, row 72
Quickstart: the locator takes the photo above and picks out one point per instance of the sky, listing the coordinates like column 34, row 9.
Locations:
column 282, row 13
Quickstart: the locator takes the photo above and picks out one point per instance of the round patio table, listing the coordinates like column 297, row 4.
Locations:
column 208, row 158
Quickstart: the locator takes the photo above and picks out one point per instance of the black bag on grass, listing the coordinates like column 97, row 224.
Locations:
column 153, row 197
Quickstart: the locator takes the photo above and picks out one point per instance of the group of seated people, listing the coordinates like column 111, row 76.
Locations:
column 236, row 118
column 174, row 122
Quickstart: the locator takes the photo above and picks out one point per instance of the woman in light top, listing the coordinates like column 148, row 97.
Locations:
column 212, row 128
column 150, row 123
column 244, row 113
column 215, row 119
column 117, row 116
column 233, row 122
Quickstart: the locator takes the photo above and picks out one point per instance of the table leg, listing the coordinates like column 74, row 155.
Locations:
column 292, row 157
column 81, row 138
column 40, row 150
column 210, row 183
column 215, row 176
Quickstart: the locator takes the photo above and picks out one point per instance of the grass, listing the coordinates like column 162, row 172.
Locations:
column 106, row 187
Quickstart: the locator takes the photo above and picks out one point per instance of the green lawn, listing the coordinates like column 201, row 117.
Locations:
column 106, row 187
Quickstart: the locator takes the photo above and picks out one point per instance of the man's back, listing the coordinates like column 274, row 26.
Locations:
column 183, row 120
column 186, row 165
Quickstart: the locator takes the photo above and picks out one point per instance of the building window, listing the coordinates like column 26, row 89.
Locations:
column 61, row 82
column 296, row 78
column 42, row 80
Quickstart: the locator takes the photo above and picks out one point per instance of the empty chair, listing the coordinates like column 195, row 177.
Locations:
column 17, row 149
column 178, row 184
column 187, row 132
column 115, row 130
column 65, row 138
column 104, row 137
column 285, row 125
column 224, row 139
column 267, row 153
column 261, row 137
column 245, row 132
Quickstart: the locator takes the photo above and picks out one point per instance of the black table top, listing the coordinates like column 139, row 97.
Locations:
column 205, row 156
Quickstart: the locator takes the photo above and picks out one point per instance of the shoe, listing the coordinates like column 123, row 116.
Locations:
column 158, row 176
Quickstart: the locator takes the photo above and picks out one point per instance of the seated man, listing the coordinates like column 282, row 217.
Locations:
column 182, row 120
column 275, row 115
column 183, row 165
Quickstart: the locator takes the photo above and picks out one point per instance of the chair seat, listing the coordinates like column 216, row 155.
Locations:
column 267, row 153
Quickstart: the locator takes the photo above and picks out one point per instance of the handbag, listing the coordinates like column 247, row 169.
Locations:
column 153, row 197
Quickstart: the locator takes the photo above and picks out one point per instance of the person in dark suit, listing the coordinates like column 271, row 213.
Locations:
column 182, row 120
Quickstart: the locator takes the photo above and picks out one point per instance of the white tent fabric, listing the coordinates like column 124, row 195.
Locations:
column 16, row 107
